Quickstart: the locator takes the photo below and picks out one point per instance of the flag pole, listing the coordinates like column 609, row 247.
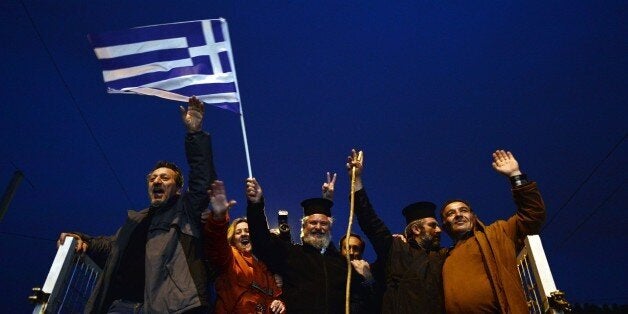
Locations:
column 232, row 62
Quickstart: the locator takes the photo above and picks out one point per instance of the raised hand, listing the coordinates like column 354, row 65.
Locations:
column 328, row 187
column 193, row 116
column 253, row 191
column 218, row 199
column 356, row 159
column 505, row 163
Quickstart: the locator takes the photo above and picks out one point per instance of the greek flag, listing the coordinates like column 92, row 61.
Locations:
column 173, row 61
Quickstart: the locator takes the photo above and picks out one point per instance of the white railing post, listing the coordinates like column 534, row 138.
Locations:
column 69, row 282
column 537, row 280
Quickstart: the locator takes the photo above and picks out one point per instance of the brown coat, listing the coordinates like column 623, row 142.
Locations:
column 500, row 242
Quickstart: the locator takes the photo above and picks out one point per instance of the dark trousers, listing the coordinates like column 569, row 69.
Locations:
column 125, row 307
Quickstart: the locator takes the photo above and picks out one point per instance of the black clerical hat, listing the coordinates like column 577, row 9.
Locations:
column 418, row 210
column 317, row 206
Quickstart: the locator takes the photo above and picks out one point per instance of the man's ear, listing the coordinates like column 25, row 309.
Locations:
column 416, row 230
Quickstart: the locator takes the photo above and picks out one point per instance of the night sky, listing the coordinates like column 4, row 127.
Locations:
column 427, row 89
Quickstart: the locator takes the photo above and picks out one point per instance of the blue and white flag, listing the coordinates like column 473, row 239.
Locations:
column 173, row 61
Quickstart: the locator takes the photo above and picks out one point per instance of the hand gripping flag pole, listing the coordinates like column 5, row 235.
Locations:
column 174, row 61
column 349, row 226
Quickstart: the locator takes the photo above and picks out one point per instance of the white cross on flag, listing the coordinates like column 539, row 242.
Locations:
column 173, row 61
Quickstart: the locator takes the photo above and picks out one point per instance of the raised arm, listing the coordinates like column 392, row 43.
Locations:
column 530, row 206
column 265, row 247
column 199, row 155
column 373, row 227
column 217, row 247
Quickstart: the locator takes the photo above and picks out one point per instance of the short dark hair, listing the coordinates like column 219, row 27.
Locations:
column 452, row 201
column 172, row 166
column 362, row 244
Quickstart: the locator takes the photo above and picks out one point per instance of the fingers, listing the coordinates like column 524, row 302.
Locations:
column 355, row 159
column 253, row 189
column 277, row 307
column 64, row 235
column 81, row 246
column 502, row 156
column 218, row 187
column 61, row 239
column 195, row 104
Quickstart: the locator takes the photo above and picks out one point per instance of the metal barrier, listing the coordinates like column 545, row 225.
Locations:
column 72, row 278
column 536, row 278
column 69, row 283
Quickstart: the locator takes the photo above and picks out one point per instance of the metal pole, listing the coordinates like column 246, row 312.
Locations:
column 10, row 192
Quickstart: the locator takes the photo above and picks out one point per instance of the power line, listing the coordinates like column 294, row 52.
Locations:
column 585, row 181
column 610, row 196
column 78, row 108
column 603, row 300
column 27, row 236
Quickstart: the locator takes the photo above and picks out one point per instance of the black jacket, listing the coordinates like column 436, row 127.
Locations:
column 175, row 273
column 312, row 282
column 413, row 275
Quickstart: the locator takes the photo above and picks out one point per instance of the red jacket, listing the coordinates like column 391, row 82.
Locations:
column 242, row 277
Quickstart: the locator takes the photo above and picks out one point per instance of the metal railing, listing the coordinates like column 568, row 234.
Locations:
column 72, row 278
column 69, row 283
column 537, row 280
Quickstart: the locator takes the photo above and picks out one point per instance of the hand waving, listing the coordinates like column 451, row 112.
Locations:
column 218, row 199
column 505, row 163
column 193, row 116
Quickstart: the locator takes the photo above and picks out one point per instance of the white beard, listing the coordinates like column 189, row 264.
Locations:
column 317, row 241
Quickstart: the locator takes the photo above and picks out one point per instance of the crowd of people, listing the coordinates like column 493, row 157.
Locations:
column 185, row 254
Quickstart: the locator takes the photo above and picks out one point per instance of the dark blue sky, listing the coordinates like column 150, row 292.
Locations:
column 427, row 89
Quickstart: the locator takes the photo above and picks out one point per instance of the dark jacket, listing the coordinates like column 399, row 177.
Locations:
column 175, row 273
column 412, row 274
column 312, row 282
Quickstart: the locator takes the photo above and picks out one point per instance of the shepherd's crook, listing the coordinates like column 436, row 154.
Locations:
column 349, row 225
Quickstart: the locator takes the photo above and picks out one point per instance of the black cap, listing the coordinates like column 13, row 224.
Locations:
column 317, row 206
column 418, row 210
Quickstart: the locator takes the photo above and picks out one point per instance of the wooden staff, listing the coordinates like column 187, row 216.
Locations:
column 349, row 225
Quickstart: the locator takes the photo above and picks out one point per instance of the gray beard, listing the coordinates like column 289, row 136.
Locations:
column 429, row 242
column 317, row 242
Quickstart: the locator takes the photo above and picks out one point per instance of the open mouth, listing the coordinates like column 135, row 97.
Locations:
column 245, row 241
column 158, row 192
